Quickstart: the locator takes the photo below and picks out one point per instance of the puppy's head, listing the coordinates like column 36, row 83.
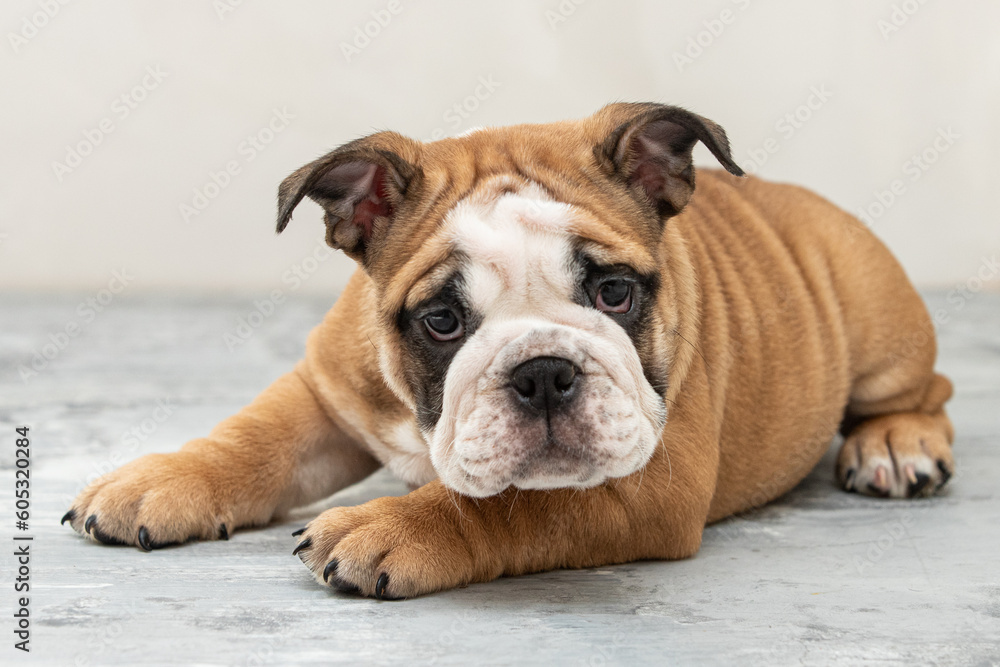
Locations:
column 523, row 315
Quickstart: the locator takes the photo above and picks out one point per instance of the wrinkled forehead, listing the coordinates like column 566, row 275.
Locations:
column 517, row 245
column 511, row 242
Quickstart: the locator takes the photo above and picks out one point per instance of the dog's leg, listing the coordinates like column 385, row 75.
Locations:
column 897, row 435
column 433, row 539
column 279, row 452
column 898, row 446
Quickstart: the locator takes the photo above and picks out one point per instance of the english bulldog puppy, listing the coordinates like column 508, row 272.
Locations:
column 573, row 356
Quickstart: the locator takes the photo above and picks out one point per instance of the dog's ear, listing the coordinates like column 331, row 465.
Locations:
column 360, row 185
column 649, row 147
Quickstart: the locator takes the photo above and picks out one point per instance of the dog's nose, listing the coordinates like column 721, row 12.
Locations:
column 544, row 383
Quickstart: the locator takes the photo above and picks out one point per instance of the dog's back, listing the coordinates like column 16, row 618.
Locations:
column 803, row 310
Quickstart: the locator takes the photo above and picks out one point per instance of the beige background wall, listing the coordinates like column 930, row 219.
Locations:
column 199, row 78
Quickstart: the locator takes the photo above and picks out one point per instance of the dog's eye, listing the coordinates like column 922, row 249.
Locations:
column 444, row 325
column 614, row 296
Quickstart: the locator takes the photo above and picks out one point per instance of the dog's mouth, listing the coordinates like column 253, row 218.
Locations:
column 551, row 464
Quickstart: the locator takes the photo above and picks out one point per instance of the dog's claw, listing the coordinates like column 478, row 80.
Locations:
column 917, row 485
column 299, row 531
column 143, row 539
column 68, row 516
column 381, row 585
column 91, row 520
column 945, row 473
column 304, row 544
column 223, row 532
column 331, row 568
column 849, row 479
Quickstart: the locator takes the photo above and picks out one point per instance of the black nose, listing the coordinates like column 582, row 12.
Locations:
column 544, row 383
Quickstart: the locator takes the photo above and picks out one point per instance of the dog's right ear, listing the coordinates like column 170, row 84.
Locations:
column 648, row 146
column 360, row 185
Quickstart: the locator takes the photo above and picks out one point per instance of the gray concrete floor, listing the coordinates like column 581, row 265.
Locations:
column 820, row 577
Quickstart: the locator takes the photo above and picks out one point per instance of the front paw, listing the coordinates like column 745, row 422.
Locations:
column 154, row 501
column 389, row 549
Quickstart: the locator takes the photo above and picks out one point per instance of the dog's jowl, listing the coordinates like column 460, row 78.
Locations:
column 575, row 357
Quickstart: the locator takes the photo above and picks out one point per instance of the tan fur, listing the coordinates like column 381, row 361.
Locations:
column 783, row 318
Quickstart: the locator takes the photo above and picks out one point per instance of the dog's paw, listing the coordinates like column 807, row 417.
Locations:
column 154, row 501
column 389, row 548
column 896, row 456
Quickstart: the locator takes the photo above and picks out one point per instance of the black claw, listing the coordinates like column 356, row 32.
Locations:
column 91, row 520
column 916, row 487
column 945, row 473
column 381, row 585
column 304, row 544
column 68, row 516
column 223, row 532
column 331, row 568
column 849, row 479
column 143, row 540
column 299, row 531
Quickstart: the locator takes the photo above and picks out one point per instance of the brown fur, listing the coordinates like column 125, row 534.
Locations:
column 783, row 318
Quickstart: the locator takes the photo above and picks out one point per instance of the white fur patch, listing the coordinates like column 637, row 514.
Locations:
column 403, row 450
column 411, row 463
column 519, row 250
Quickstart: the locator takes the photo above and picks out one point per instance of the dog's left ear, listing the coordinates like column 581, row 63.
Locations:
column 360, row 185
column 649, row 146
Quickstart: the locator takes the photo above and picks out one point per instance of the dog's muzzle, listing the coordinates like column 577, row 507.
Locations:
column 539, row 405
